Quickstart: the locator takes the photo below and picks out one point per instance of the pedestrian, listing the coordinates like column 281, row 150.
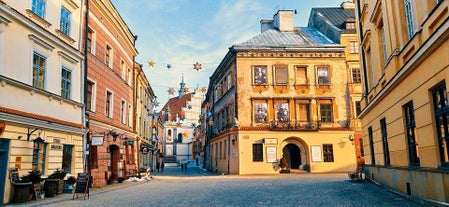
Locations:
column 182, row 167
column 162, row 166
column 157, row 166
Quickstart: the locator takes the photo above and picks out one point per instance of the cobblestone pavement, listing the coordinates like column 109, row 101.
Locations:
column 197, row 187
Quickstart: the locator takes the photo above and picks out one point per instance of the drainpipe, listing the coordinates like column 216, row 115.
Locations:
column 86, row 117
column 365, row 93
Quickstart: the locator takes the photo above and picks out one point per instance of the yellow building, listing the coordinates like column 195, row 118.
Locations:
column 281, row 94
column 405, row 106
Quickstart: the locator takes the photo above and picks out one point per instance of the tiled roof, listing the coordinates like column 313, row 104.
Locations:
column 304, row 37
column 336, row 16
column 40, row 117
column 175, row 104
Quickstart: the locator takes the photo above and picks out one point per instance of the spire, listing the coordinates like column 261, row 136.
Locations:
column 181, row 87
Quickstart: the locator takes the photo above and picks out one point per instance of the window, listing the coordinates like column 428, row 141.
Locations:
column 356, row 76
column 303, row 110
column 441, row 110
column 66, row 83
column 410, row 125
column 281, row 75
column 123, row 69
column 260, row 112
column 229, row 81
column 130, row 115
column 179, row 138
column 257, row 153
column 409, row 18
column 383, row 129
column 371, row 145
column 325, row 110
column 282, row 112
column 362, row 150
column 90, row 41
column 323, row 76
column 123, row 112
column 358, row 108
column 350, row 25
column 109, row 104
column 39, row 152
column 109, row 56
column 328, row 153
column 384, row 44
column 39, row 67
column 260, row 75
column 220, row 156
column 65, row 21
column 301, row 76
column 353, row 47
column 38, row 8
column 130, row 77
column 67, row 151
column 90, row 96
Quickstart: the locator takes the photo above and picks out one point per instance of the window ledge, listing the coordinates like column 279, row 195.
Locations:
column 64, row 37
column 38, row 19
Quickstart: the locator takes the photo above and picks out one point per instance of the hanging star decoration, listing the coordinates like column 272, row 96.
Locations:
column 203, row 89
column 197, row 66
column 185, row 134
column 171, row 91
column 186, row 90
column 168, row 66
column 151, row 64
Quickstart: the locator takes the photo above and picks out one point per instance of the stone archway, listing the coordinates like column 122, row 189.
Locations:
column 295, row 152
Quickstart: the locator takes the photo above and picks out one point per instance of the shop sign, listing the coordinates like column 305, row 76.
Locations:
column 270, row 141
column 56, row 146
column 128, row 142
column 97, row 141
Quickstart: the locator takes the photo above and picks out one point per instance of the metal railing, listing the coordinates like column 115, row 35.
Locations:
column 295, row 125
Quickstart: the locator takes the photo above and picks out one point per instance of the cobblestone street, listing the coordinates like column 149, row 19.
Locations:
column 199, row 188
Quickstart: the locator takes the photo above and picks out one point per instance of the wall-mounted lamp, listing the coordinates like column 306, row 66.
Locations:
column 113, row 134
column 351, row 138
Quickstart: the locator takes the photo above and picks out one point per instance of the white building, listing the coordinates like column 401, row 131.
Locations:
column 41, row 76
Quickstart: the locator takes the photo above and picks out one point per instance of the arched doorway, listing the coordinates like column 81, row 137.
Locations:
column 292, row 154
column 114, row 150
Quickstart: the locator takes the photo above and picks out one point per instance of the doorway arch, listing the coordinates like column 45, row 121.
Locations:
column 295, row 151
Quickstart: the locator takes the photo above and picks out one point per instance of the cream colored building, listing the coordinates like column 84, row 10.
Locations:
column 282, row 93
column 404, row 47
column 40, row 88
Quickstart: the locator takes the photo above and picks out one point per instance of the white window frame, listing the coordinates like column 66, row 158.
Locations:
column 111, row 104
column 38, row 11
column 110, row 61
column 123, row 109
column 93, row 41
column 409, row 18
column 130, row 115
column 65, row 26
column 94, row 95
column 69, row 81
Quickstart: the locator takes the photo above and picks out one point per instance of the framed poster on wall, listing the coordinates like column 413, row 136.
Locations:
column 271, row 154
column 316, row 153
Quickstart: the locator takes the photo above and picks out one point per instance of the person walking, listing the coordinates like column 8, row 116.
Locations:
column 157, row 166
column 162, row 166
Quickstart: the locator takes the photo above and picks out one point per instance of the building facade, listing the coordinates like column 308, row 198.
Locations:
column 110, row 51
column 41, row 105
column 404, row 45
column 180, row 116
column 144, row 116
column 281, row 94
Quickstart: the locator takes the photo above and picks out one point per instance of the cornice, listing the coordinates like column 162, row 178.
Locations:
column 305, row 54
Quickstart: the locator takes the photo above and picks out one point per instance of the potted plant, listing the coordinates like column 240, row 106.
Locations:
column 71, row 180
column 33, row 176
column 54, row 184
column 23, row 188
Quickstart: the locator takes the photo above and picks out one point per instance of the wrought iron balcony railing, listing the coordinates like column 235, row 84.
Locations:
column 295, row 125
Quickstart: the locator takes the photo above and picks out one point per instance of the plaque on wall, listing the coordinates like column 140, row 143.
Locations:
column 97, row 141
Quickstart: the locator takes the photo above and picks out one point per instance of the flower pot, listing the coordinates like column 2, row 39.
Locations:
column 51, row 187
column 22, row 192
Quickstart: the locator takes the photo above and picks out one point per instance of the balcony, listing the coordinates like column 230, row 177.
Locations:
column 295, row 125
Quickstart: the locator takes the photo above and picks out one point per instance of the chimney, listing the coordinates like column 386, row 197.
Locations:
column 347, row 5
column 282, row 20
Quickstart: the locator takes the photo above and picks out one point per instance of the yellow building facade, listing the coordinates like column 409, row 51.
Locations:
column 405, row 106
column 281, row 94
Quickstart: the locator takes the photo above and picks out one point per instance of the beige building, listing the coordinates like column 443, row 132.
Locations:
column 40, row 89
column 404, row 48
column 281, row 94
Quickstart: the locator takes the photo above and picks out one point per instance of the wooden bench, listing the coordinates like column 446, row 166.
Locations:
column 357, row 175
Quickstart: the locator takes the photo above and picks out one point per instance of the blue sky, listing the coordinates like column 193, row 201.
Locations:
column 183, row 32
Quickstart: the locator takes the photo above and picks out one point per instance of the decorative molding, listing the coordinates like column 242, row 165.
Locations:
column 291, row 54
column 64, row 37
column 40, row 42
column 67, row 57
column 38, row 19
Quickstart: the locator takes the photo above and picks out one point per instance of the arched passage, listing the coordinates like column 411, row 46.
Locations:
column 295, row 152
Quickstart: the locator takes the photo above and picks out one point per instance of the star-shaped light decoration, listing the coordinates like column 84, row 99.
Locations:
column 203, row 89
column 171, row 91
column 197, row 66
column 168, row 66
column 186, row 90
column 151, row 64
column 185, row 134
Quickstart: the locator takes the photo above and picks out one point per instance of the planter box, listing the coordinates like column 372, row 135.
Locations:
column 51, row 187
column 22, row 192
